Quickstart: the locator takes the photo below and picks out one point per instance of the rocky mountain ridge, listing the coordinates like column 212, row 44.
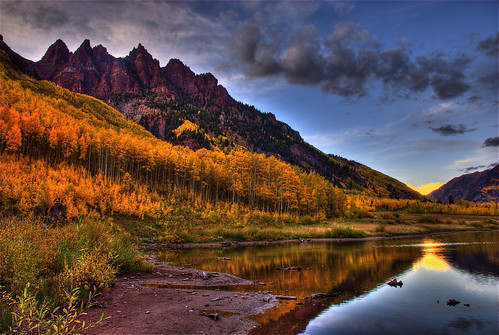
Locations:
column 477, row 187
column 162, row 99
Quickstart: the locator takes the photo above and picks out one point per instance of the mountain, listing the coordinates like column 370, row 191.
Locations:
column 478, row 187
column 178, row 106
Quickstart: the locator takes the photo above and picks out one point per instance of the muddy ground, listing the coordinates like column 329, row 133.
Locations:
column 140, row 304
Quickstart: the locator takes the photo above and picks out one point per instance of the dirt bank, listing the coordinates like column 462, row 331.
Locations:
column 134, row 308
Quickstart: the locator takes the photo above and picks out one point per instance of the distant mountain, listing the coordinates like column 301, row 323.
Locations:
column 178, row 106
column 478, row 187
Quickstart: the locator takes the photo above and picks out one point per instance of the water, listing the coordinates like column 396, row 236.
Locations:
column 464, row 267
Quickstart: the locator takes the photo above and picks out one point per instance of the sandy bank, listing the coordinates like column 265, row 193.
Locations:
column 139, row 305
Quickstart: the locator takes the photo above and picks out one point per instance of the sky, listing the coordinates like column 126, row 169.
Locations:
column 409, row 88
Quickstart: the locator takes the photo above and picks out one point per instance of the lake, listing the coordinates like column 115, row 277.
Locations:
column 433, row 270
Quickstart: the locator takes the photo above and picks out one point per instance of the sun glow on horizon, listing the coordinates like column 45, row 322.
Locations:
column 426, row 189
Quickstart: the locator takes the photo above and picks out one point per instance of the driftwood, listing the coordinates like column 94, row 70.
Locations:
column 218, row 298
column 266, row 299
column 290, row 268
column 319, row 296
column 453, row 302
column 214, row 316
column 204, row 275
column 395, row 283
column 286, row 297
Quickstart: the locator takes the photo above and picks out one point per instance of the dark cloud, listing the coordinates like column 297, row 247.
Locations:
column 448, row 79
column 489, row 46
column 258, row 47
column 478, row 168
column 473, row 168
column 491, row 142
column 490, row 79
column 40, row 15
column 449, row 130
column 302, row 62
column 346, row 62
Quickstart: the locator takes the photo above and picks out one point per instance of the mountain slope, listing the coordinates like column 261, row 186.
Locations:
column 57, row 144
column 162, row 99
column 478, row 187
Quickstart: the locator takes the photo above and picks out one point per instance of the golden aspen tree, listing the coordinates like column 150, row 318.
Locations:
column 14, row 139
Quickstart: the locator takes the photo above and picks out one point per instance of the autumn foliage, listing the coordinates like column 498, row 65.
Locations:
column 57, row 144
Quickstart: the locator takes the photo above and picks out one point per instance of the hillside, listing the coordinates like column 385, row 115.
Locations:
column 58, row 144
column 181, row 107
column 477, row 187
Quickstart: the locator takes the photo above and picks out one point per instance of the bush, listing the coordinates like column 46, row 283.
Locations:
column 307, row 220
column 427, row 219
column 232, row 235
column 380, row 228
column 345, row 232
column 387, row 216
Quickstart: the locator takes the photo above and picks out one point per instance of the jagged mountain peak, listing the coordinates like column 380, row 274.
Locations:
column 141, row 53
column 57, row 52
column 84, row 48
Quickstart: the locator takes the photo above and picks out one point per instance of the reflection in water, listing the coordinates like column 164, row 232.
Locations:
column 431, row 259
column 462, row 267
column 420, row 307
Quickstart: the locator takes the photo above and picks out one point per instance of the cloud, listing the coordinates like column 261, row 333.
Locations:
column 491, row 142
column 343, row 8
column 345, row 62
column 449, row 130
column 39, row 15
column 489, row 46
column 479, row 167
column 302, row 62
column 473, row 168
column 448, row 80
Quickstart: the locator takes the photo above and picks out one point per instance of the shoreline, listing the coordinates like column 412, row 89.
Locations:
column 179, row 300
column 151, row 247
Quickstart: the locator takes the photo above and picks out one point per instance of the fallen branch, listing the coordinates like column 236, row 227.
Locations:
column 286, row 297
column 214, row 316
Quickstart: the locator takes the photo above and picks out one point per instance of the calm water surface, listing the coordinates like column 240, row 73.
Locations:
column 464, row 267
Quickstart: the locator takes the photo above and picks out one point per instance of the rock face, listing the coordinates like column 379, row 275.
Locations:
column 162, row 98
column 478, row 187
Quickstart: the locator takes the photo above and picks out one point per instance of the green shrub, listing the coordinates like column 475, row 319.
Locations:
column 232, row 235
column 345, row 232
column 427, row 219
column 307, row 220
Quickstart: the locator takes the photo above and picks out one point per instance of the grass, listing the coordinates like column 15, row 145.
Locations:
column 265, row 227
column 85, row 255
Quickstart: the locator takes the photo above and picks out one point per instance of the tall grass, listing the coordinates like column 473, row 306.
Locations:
column 85, row 255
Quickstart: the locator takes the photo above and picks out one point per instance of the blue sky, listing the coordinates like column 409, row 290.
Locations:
column 409, row 88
